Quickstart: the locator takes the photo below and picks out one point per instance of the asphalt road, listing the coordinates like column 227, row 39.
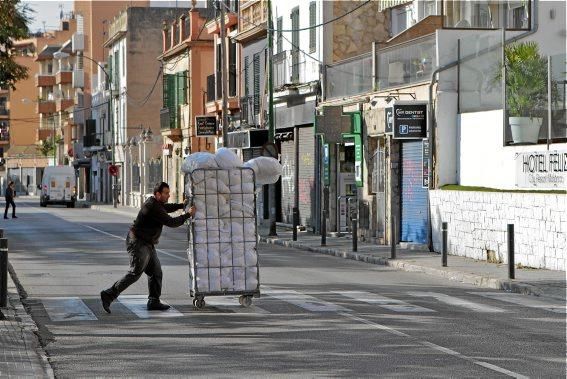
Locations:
column 318, row 316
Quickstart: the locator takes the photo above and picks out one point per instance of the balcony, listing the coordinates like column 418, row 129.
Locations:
column 4, row 136
column 254, row 20
column 4, row 112
column 289, row 70
column 64, row 77
column 44, row 80
column 349, row 77
column 406, row 63
column 4, row 90
column 63, row 104
column 230, row 19
column 45, row 107
column 250, row 110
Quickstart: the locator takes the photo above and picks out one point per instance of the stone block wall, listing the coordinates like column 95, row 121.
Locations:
column 478, row 223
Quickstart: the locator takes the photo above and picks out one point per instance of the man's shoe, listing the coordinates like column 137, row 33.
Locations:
column 156, row 305
column 106, row 301
column 5, row 217
column 14, row 216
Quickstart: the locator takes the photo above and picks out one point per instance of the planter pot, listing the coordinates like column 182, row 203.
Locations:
column 525, row 129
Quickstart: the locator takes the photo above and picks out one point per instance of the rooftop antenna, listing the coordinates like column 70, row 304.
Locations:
column 61, row 11
column 43, row 22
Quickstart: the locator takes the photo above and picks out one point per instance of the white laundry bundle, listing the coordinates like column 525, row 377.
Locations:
column 198, row 160
column 225, row 158
column 268, row 170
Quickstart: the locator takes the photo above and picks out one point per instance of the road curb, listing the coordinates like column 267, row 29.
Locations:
column 27, row 322
column 467, row 278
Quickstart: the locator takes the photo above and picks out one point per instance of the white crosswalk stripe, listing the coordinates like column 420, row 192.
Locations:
column 524, row 300
column 301, row 300
column 383, row 301
column 231, row 304
column 67, row 309
column 138, row 305
column 457, row 301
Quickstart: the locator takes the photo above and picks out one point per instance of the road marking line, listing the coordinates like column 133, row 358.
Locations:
column 435, row 347
column 138, row 305
column 67, row 309
column 231, row 304
column 124, row 239
column 307, row 302
column 524, row 300
column 383, row 301
column 451, row 300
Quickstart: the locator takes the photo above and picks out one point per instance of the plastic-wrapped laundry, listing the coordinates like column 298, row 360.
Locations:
column 244, row 187
column 198, row 160
column 250, row 254
column 238, row 254
column 225, row 158
column 268, row 170
column 214, row 279
column 226, row 255
column 239, row 275
column 202, row 279
column 251, row 278
column 227, row 279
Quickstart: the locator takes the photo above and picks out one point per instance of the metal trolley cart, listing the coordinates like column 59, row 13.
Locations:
column 223, row 235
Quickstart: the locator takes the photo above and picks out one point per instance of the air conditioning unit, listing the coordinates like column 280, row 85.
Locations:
column 78, row 42
column 78, row 78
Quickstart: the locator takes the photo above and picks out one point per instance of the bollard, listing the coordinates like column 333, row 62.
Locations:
column 295, row 222
column 354, row 221
column 393, row 236
column 3, row 272
column 1, row 233
column 511, row 274
column 354, row 234
column 325, row 215
column 444, row 248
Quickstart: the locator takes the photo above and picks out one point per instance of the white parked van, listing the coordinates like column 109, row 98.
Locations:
column 58, row 186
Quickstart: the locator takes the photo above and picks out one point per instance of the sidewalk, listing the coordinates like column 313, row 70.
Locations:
column 538, row 282
column 21, row 354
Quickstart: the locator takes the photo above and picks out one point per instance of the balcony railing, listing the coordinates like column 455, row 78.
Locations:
column 211, row 88
column 44, row 80
column 250, row 110
column 406, row 63
column 253, row 13
column 4, row 111
column 64, row 103
column 46, row 106
column 349, row 77
column 63, row 77
column 289, row 69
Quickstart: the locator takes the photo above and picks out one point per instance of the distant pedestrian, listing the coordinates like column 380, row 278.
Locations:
column 10, row 195
column 140, row 243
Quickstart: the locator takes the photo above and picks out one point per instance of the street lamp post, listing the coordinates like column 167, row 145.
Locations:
column 61, row 55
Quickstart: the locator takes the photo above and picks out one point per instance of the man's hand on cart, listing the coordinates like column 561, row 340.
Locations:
column 192, row 210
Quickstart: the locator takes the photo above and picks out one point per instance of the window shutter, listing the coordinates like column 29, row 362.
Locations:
column 165, row 90
column 279, row 41
column 172, row 102
column 312, row 31
column 256, row 83
column 246, row 75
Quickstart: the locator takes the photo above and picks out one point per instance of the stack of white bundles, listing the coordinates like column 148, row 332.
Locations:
column 268, row 170
column 224, row 231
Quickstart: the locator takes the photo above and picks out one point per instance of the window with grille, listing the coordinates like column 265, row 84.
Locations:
column 313, row 30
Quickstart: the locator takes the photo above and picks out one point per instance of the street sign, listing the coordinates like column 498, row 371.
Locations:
column 389, row 116
column 206, row 126
column 425, row 163
column 410, row 120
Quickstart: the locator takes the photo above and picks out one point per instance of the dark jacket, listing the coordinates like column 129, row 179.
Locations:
column 9, row 193
column 153, row 216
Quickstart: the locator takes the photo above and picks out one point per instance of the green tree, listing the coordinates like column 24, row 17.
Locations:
column 14, row 18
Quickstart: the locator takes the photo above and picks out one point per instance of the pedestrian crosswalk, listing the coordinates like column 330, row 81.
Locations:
column 67, row 309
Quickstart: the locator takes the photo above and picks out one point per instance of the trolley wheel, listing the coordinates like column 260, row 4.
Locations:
column 245, row 301
column 199, row 302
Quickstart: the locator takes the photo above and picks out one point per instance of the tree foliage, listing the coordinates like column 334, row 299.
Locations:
column 48, row 146
column 14, row 18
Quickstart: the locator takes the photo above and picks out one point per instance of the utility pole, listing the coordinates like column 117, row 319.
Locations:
column 271, row 126
column 224, row 77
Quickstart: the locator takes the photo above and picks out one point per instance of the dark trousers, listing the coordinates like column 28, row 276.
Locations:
column 143, row 259
column 9, row 202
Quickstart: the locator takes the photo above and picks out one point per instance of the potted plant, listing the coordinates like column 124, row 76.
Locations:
column 526, row 90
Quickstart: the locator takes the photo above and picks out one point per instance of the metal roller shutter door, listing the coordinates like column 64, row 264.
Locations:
column 414, row 222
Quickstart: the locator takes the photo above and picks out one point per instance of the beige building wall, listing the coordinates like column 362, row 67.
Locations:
column 353, row 34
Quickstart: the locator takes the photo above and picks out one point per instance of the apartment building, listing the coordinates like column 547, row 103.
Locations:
column 21, row 132
column 187, row 55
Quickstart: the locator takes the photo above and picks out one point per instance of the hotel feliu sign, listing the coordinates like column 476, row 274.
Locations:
column 542, row 169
